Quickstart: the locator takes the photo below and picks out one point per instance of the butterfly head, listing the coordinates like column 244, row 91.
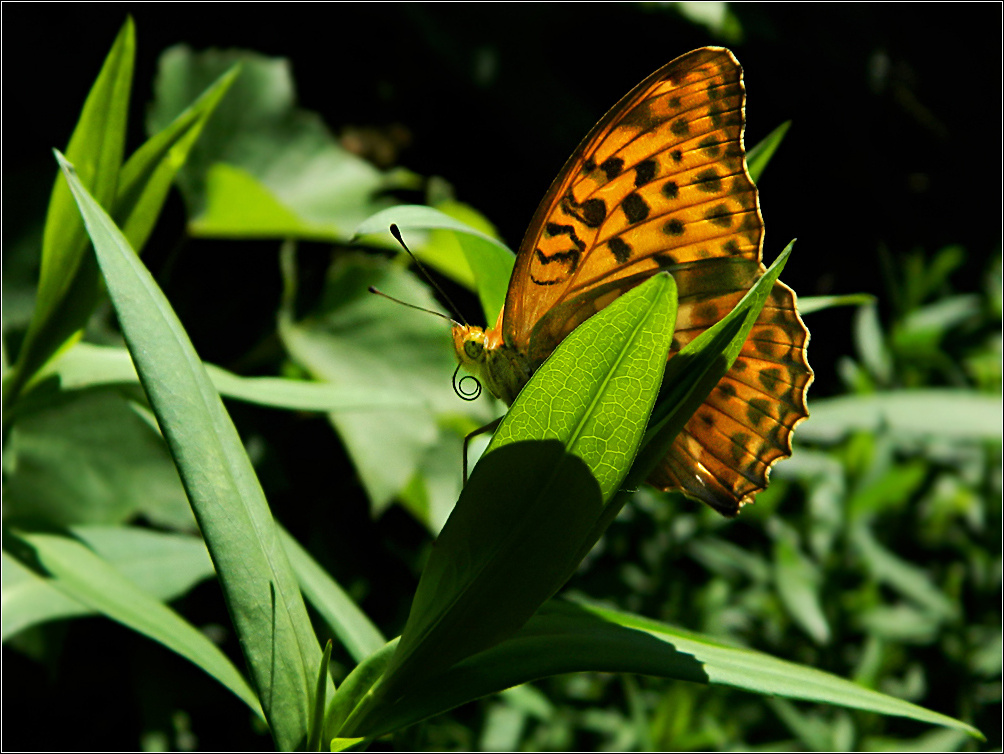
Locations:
column 484, row 354
column 469, row 345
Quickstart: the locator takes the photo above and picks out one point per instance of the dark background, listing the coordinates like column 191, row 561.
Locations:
column 895, row 143
column 896, row 110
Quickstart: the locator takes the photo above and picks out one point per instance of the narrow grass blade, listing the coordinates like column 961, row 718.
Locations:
column 758, row 157
column 356, row 631
column 148, row 174
column 258, row 583
column 67, row 286
column 810, row 304
column 320, row 700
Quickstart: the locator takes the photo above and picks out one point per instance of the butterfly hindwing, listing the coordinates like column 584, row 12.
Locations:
column 724, row 453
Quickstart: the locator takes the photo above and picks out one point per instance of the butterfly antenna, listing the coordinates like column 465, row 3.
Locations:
column 378, row 292
column 458, row 387
column 396, row 232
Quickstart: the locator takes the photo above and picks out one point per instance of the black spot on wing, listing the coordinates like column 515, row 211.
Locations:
column 673, row 228
column 709, row 181
column 770, row 378
column 559, row 229
column 591, row 212
column 720, row 216
column 644, row 172
column 545, row 282
column 569, row 258
column 711, row 147
column 635, row 208
column 620, row 249
column 612, row 166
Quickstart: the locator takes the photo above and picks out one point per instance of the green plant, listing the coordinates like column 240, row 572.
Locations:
column 471, row 631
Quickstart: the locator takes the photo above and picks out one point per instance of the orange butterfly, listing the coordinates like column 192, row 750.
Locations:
column 661, row 183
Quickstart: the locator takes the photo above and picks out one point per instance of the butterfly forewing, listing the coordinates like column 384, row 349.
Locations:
column 660, row 183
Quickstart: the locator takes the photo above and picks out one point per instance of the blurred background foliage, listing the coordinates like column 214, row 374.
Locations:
column 875, row 554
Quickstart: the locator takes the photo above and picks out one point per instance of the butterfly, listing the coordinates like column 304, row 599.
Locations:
column 661, row 183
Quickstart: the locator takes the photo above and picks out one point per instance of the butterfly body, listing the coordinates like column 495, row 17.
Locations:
column 661, row 183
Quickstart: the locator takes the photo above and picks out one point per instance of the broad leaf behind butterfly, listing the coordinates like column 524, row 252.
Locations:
column 661, row 183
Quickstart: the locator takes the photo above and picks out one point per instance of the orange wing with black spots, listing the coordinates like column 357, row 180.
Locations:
column 660, row 183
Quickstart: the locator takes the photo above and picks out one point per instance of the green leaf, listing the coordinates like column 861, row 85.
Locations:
column 444, row 251
column 532, row 505
column 591, row 393
column 810, row 304
column 489, row 259
column 239, row 205
column 67, row 286
column 798, row 581
column 945, row 414
column 871, row 344
column 503, row 554
column 814, row 731
column 87, row 365
column 29, row 599
column 906, row 578
column 570, row 638
column 78, row 572
column 320, row 694
column 262, row 153
column 758, row 157
column 258, row 583
column 363, row 342
column 88, row 458
column 149, row 173
column 162, row 564
column 357, row 686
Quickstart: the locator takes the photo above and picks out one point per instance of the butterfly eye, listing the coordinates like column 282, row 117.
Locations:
column 473, row 349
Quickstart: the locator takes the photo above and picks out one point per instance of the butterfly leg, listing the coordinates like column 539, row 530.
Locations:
column 489, row 427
